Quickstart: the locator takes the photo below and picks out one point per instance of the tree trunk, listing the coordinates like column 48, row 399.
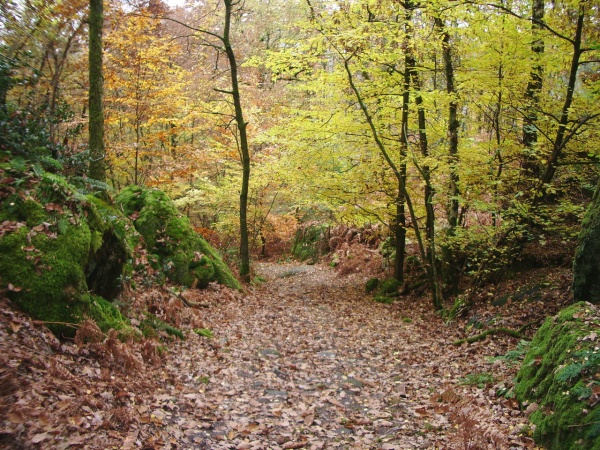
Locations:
column 561, row 138
column 532, row 94
column 400, row 221
column 430, row 259
column 243, row 146
column 97, row 168
column 450, row 270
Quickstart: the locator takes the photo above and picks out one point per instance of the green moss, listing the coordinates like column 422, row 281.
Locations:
column 50, row 272
column 389, row 287
column 184, row 255
column 106, row 315
column 560, row 364
column 151, row 324
column 371, row 285
column 203, row 271
column 383, row 299
column 48, row 265
column 22, row 210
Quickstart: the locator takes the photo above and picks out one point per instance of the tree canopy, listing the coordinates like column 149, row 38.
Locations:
column 466, row 129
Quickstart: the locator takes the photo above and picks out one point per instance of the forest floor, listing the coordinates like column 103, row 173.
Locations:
column 306, row 360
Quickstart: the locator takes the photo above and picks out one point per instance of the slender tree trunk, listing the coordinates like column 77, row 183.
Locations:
column 560, row 140
column 243, row 145
column 400, row 222
column 399, row 173
column 450, row 272
column 97, row 168
column 453, row 206
column 532, row 94
column 431, row 264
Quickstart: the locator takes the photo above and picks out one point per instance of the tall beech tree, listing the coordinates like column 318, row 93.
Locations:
column 220, row 39
column 97, row 167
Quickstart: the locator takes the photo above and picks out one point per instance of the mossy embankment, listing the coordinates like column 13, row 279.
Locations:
column 586, row 266
column 66, row 253
column 560, row 375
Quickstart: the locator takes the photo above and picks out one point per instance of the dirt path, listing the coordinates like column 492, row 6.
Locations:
column 307, row 361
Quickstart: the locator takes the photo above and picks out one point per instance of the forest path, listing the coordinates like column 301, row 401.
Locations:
column 309, row 361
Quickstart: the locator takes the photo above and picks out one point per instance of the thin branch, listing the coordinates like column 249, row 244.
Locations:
column 185, row 25
column 541, row 23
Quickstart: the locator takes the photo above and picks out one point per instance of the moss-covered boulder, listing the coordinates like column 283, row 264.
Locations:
column 586, row 266
column 184, row 255
column 113, row 241
column 52, row 241
column 560, row 373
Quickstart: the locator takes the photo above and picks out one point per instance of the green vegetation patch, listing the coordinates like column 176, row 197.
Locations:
column 184, row 255
column 311, row 242
column 586, row 266
column 371, row 285
column 384, row 291
column 479, row 379
column 151, row 325
column 560, row 373
column 205, row 332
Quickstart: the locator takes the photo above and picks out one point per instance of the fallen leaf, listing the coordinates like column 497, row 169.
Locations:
column 129, row 441
column 16, row 417
column 291, row 445
column 41, row 437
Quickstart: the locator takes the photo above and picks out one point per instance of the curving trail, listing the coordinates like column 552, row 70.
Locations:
column 308, row 361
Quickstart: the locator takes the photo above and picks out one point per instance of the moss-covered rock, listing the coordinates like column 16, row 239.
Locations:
column 560, row 373
column 586, row 266
column 184, row 255
column 113, row 241
column 48, row 248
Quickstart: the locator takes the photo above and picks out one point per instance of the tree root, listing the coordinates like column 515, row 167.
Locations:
column 481, row 336
column 188, row 303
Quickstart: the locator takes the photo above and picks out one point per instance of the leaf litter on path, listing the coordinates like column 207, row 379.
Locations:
column 305, row 361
